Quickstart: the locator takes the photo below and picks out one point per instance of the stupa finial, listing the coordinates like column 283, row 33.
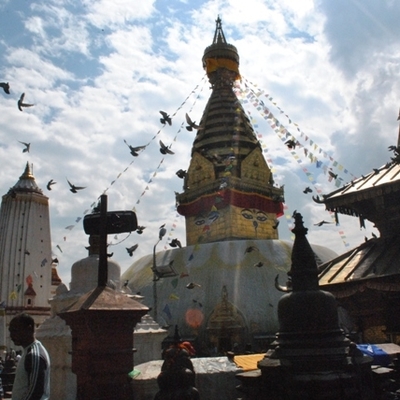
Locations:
column 219, row 36
column 304, row 271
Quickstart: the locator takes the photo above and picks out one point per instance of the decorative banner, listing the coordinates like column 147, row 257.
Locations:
column 248, row 96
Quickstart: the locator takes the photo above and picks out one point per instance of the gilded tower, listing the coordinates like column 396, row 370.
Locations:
column 229, row 192
column 25, row 253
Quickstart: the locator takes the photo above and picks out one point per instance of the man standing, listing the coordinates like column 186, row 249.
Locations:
column 32, row 377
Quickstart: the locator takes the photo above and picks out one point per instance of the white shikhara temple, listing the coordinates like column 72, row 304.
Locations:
column 26, row 274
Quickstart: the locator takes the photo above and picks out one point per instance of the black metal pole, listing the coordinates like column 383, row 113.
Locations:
column 103, row 268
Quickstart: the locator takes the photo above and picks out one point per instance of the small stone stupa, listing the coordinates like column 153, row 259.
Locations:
column 312, row 358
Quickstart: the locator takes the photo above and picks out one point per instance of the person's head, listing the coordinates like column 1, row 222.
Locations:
column 22, row 330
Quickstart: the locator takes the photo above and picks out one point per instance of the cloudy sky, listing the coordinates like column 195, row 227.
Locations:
column 98, row 73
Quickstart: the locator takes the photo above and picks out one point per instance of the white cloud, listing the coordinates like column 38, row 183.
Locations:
column 100, row 72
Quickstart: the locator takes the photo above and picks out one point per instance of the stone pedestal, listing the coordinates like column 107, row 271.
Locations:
column 148, row 337
column 102, row 322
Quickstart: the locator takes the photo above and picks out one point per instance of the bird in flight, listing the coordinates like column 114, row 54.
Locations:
column 162, row 232
column 322, row 223
column 307, row 190
column 192, row 125
column 22, row 104
column 73, row 188
column 332, row 174
column 291, row 144
column 192, row 285
column 27, row 147
column 131, row 249
column 181, row 173
column 50, row 183
column 140, row 229
column 134, row 150
column 175, row 243
column 165, row 149
column 166, row 119
column 5, row 86
column 250, row 249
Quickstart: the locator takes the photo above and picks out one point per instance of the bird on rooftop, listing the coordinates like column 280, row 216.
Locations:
column 322, row 223
column 21, row 103
column 307, row 190
column 192, row 285
column 73, row 188
column 180, row 173
column 134, row 150
column 140, row 229
column 291, row 144
column 131, row 249
column 162, row 232
column 165, row 149
column 166, row 119
column 50, row 183
column 5, row 86
column 27, row 147
column 191, row 125
column 175, row 243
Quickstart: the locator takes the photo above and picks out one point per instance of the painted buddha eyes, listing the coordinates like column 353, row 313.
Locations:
column 254, row 214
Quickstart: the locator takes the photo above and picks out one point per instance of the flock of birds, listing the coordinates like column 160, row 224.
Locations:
column 27, row 146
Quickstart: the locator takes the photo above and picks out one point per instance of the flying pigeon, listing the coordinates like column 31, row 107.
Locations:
column 139, row 229
column 192, row 285
column 175, row 243
column 49, row 183
column 250, row 249
column 5, row 86
column 333, row 175
column 307, row 190
column 74, row 189
column 166, row 118
column 134, row 150
column 22, row 104
column 291, row 144
column 27, row 147
column 191, row 125
column 276, row 225
column 131, row 249
column 322, row 223
column 165, row 149
column 162, row 232
column 180, row 173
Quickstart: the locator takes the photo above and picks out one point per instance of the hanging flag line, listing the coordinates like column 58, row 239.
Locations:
column 72, row 226
column 174, row 224
column 248, row 95
column 314, row 146
column 254, row 123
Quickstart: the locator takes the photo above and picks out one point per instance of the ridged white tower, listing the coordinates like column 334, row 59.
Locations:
column 25, row 254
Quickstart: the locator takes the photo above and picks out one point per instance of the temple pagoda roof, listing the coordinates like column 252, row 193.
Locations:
column 370, row 265
column 380, row 181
